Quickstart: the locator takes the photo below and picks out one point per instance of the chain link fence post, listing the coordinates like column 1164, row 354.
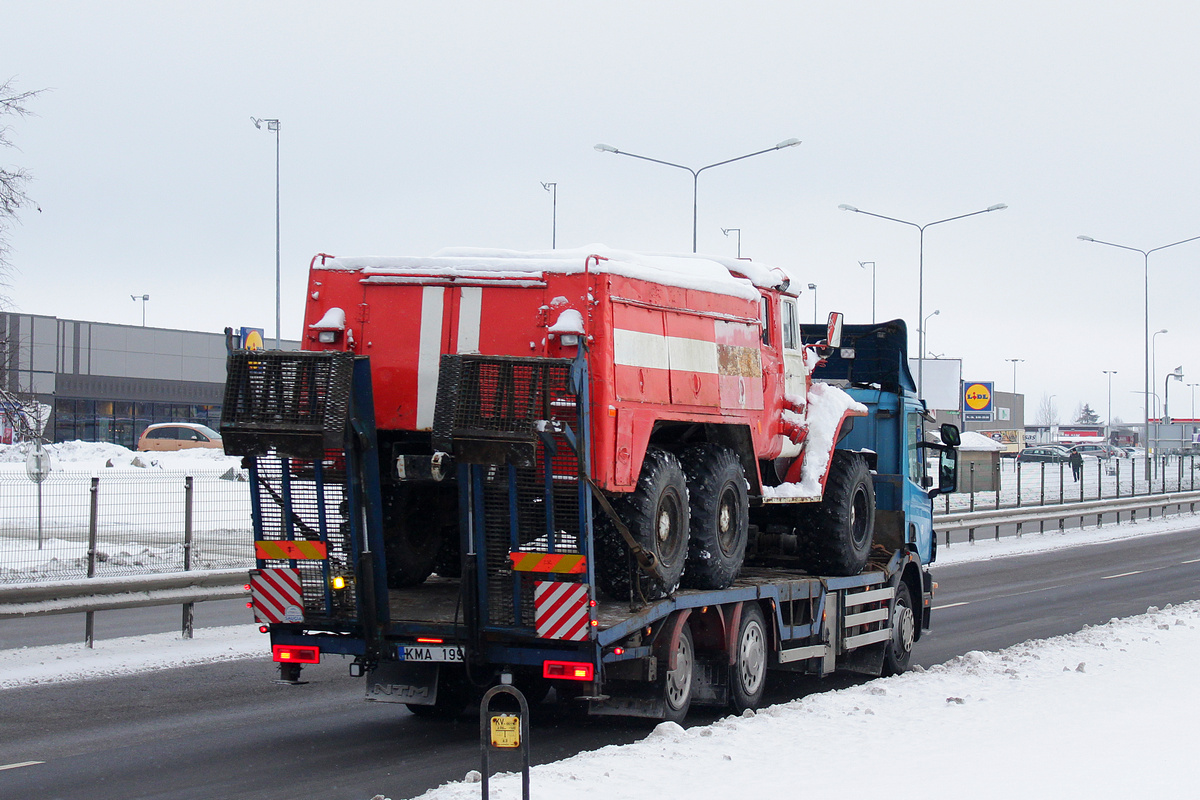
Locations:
column 188, row 608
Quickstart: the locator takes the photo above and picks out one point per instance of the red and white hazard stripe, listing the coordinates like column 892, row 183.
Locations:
column 276, row 595
column 560, row 610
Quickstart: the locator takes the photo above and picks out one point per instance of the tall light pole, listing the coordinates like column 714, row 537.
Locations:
column 144, row 298
column 1015, row 361
column 863, row 264
column 921, row 271
column 1146, row 327
column 273, row 125
column 552, row 188
column 813, row 288
column 1108, row 419
column 1154, row 356
column 739, row 238
column 1193, row 387
column 1177, row 375
column 607, row 148
column 925, row 323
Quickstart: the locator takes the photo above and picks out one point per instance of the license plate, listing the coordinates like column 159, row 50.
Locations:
column 420, row 652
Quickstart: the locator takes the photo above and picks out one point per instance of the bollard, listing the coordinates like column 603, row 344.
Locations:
column 504, row 731
column 972, row 486
column 89, row 632
column 188, row 608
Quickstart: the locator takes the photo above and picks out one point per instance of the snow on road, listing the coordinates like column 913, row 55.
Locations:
column 1098, row 713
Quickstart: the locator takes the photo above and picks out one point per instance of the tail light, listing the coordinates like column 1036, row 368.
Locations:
column 568, row 670
column 292, row 654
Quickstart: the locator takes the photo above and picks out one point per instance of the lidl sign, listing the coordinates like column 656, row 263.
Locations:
column 252, row 338
column 978, row 396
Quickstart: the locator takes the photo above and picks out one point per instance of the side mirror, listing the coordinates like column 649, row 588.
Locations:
column 948, row 471
column 950, row 435
column 833, row 331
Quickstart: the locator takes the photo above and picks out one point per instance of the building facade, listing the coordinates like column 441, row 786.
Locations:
column 105, row 382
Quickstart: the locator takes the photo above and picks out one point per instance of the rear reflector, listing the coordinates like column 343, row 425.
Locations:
column 289, row 654
column 569, row 670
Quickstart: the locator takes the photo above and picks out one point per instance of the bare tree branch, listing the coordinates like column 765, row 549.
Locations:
column 12, row 179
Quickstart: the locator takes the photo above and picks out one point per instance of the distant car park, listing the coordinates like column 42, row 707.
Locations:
column 1044, row 453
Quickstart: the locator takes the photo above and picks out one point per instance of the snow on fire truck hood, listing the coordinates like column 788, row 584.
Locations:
column 706, row 273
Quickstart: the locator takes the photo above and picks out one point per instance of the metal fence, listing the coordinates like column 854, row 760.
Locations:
column 1034, row 484
column 140, row 521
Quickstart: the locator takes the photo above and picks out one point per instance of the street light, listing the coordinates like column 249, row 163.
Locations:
column 863, row 264
column 925, row 323
column 739, row 238
column 921, row 270
column 273, row 125
column 1177, row 375
column 1154, row 356
column 1108, row 419
column 608, row 148
column 1146, row 327
column 1015, row 361
column 144, row 298
column 552, row 188
column 813, row 288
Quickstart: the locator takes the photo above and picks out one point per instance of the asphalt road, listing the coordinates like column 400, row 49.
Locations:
column 225, row 730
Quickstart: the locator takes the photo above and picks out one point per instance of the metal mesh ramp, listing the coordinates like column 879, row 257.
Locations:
column 295, row 403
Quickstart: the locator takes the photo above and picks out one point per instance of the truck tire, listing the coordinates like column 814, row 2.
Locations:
column 412, row 536
column 898, row 653
column 719, row 516
column 748, row 675
column 834, row 537
column 676, row 684
column 656, row 513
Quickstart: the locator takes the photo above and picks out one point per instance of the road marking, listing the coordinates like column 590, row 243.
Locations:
column 952, row 605
column 1193, row 561
column 1123, row 574
column 19, row 764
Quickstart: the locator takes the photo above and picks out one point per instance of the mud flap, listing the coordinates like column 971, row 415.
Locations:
column 403, row 682
column 865, row 660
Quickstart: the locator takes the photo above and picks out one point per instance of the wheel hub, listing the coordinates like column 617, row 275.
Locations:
column 752, row 658
column 679, row 680
column 904, row 627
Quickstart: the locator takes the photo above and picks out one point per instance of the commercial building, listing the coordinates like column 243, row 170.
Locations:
column 105, row 382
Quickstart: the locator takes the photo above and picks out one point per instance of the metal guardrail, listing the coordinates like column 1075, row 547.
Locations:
column 126, row 591
column 995, row 518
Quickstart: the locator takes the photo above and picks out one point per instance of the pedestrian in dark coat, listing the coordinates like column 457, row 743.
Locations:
column 1076, row 465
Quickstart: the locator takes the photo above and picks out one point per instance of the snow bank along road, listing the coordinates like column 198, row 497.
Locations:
column 221, row 729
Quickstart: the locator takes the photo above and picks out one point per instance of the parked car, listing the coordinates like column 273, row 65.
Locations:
column 1098, row 450
column 1046, row 453
column 177, row 436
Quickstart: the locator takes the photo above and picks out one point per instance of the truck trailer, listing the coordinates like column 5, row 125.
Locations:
column 637, row 480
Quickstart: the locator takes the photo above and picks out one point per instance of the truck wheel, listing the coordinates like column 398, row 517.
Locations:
column 749, row 672
column 656, row 513
column 676, row 684
column 720, row 516
column 835, row 535
column 898, row 654
column 412, row 536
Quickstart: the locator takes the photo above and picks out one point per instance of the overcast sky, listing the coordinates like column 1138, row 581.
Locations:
column 408, row 127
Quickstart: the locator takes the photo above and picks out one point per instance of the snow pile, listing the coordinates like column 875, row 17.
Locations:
column 826, row 407
column 21, row 560
column 1048, row 718
column 77, row 456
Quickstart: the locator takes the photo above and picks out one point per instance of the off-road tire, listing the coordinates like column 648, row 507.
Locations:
column 834, row 536
column 719, row 516
column 748, row 675
column 656, row 513
column 898, row 653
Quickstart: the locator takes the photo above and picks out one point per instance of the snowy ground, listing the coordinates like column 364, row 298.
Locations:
column 140, row 504
column 1106, row 702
